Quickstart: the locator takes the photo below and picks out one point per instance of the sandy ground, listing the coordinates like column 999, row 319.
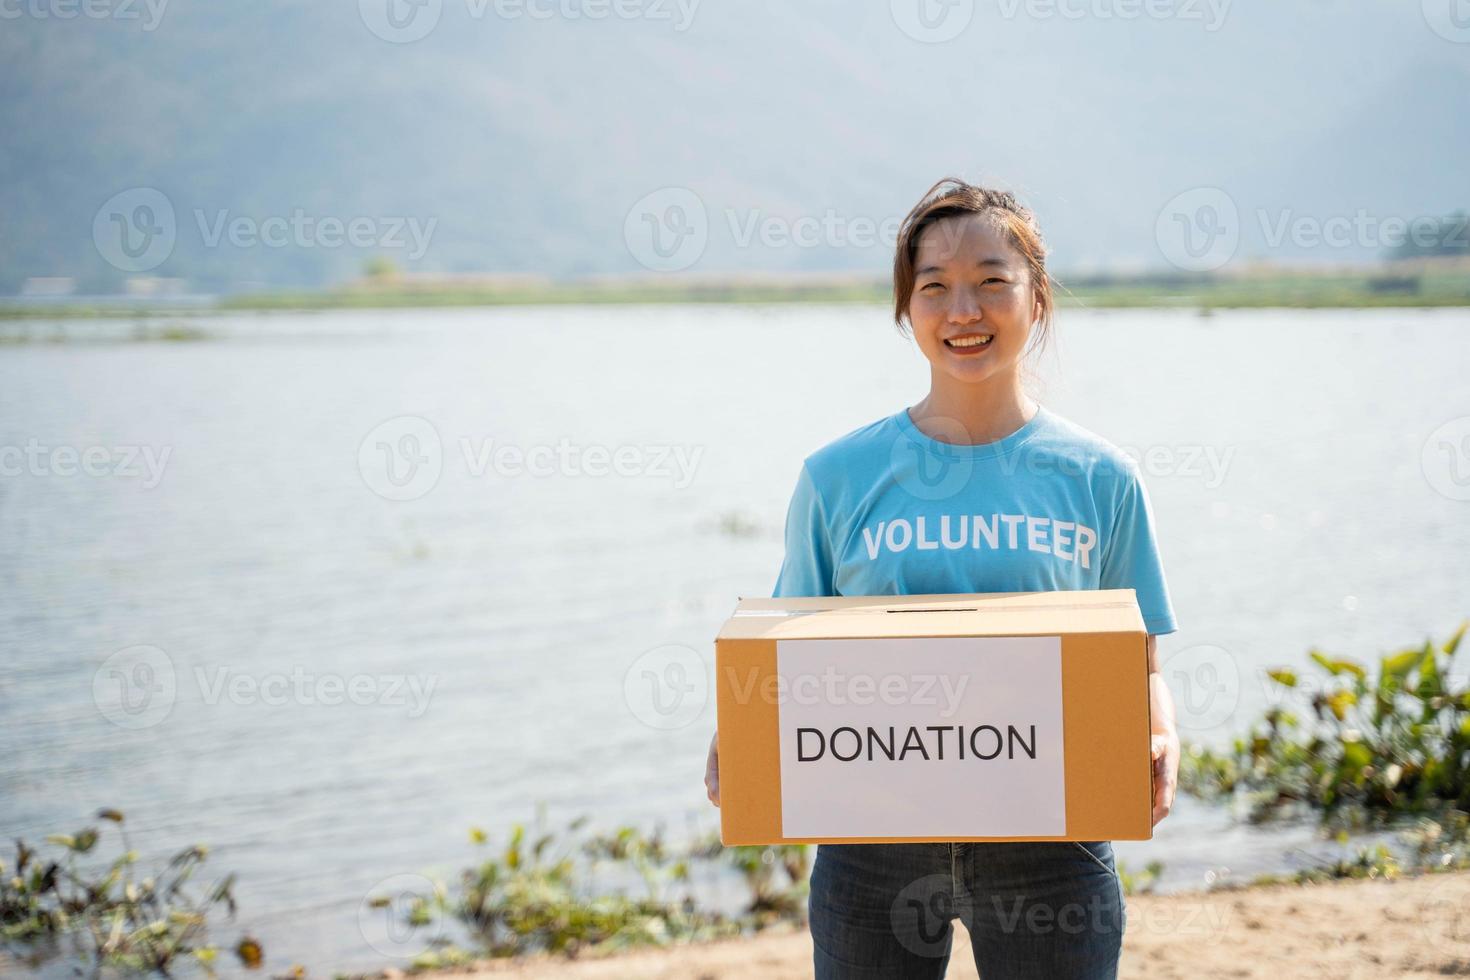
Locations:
column 1416, row 927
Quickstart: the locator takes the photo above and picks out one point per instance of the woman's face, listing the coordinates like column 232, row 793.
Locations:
column 972, row 306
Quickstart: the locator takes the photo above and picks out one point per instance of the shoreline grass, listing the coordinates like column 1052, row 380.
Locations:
column 1414, row 285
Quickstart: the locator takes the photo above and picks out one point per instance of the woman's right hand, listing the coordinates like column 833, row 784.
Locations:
column 712, row 771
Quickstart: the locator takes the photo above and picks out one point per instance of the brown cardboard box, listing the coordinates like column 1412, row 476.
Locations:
column 1003, row 716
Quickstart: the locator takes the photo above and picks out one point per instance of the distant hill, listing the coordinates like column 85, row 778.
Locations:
column 520, row 145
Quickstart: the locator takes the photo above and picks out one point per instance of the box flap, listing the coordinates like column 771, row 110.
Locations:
column 983, row 614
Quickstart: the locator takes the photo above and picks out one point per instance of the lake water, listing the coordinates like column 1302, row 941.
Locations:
column 1304, row 469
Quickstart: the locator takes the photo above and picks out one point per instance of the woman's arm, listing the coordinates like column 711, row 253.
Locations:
column 712, row 771
column 1164, row 737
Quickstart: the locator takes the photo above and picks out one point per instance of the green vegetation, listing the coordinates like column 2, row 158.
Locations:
column 1394, row 744
column 1433, row 281
column 108, row 916
column 543, row 897
column 1439, row 843
column 542, row 894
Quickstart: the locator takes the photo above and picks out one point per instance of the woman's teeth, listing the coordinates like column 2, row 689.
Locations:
column 974, row 340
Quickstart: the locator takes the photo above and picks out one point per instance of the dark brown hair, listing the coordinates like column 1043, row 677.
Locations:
column 952, row 197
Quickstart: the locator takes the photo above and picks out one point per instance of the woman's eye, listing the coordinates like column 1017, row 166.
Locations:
column 931, row 285
column 992, row 279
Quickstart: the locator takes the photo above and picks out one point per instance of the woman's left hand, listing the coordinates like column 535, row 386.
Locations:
column 1164, row 747
column 1164, row 739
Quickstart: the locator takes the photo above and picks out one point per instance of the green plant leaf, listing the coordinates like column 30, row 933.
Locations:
column 1338, row 667
column 1282, row 676
column 1400, row 665
column 1453, row 643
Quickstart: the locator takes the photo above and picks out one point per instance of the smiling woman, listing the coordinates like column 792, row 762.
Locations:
column 977, row 488
column 970, row 281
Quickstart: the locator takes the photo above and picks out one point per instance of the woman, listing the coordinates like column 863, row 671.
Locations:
column 980, row 461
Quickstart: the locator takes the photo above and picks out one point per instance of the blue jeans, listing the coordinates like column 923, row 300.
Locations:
column 1050, row 909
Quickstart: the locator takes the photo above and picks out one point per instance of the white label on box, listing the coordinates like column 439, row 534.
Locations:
column 922, row 737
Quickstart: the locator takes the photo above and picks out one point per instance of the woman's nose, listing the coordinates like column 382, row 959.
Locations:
column 965, row 309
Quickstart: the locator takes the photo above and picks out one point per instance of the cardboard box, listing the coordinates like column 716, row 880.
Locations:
column 1003, row 716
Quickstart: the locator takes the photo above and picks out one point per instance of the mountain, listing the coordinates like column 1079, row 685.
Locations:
column 521, row 143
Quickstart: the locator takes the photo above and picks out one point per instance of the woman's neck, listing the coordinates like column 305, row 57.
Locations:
column 986, row 412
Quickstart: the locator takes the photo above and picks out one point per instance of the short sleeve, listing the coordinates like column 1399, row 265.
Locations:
column 1130, row 558
column 807, row 567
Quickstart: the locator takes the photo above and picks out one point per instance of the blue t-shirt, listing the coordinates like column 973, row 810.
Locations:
column 888, row 510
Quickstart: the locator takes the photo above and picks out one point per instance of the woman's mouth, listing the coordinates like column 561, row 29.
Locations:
column 969, row 343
